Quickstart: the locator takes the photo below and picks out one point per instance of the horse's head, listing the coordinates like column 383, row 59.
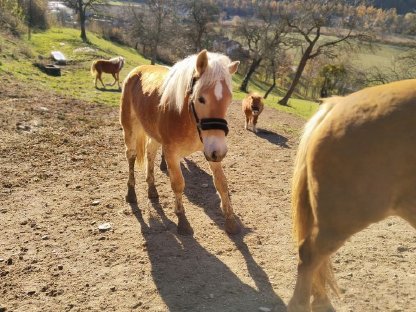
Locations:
column 210, row 95
column 256, row 103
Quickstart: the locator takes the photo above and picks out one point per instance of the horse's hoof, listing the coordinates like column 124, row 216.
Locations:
column 152, row 192
column 184, row 228
column 231, row 226
column 131, row 196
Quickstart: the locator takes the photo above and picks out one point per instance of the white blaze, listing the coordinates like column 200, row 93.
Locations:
column 218, row 90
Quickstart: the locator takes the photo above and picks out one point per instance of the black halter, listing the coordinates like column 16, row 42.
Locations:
column 205, row 123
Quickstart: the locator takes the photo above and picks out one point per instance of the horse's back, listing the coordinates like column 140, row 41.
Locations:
column 141, row 97
column 361, row 155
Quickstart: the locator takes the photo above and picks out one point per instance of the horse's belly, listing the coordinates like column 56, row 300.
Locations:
column 148, row 113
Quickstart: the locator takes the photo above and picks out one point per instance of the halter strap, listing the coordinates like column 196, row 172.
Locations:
column 204, row 123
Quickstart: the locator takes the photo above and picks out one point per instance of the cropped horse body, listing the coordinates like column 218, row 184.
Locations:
column 355, row 166
column 181, row 109
column 252, row 106
column 112, row 66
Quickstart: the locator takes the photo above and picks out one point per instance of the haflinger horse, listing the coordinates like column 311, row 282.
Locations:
column 355, row 166
column 252, row 106
column 182, row 109
column 112, row 66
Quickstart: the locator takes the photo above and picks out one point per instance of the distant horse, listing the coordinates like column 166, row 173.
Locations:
column 182, row 109
column 112, row 66
column 252, row 106
column 355, row 166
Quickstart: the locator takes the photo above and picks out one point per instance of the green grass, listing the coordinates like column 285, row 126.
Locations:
column 381, row 57
column 75, row 80
column 17, row 58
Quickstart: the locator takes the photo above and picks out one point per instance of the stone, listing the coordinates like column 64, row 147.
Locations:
column 104, row 227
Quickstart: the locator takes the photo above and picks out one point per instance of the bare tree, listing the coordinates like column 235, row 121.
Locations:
column 262, row 35
column 153, row 24
column 308, row 19
column 82, row 7
column 200, row 16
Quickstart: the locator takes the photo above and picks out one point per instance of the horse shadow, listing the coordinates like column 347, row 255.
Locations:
column 272, row 137
column 210, row 202
column 189, row 278
column 109, row 90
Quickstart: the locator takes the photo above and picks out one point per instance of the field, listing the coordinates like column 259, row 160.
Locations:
column 63, row 174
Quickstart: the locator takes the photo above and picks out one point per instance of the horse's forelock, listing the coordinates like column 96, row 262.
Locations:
column 177, row 82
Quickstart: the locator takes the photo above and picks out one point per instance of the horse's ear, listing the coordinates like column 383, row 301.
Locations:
column 201, row 62
column 233, row 67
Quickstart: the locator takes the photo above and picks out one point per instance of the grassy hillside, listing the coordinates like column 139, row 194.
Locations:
column 17, row 58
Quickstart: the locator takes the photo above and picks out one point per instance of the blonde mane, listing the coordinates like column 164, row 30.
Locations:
column 177, row 81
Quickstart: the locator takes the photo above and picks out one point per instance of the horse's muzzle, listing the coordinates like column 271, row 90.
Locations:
column 215, row 148
column 214, row 157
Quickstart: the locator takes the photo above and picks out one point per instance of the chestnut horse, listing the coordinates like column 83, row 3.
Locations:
column 252, row 106
column 355, row 166
column 182, row 109
column 112, row 66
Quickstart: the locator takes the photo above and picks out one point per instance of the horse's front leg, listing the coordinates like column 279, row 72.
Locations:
column 118, row 80
column 178, row 185
column 115, row 80
column 220, row 182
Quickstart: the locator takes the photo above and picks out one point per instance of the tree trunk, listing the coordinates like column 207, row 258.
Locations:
column 154, row 55
column 270, row 89
column 82, row 21
column 298, row 74
column 274, row 81
column 254, row 65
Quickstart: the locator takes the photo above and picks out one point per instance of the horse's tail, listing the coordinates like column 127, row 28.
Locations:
column 302, row 215
column 93, row 68
column 134, row 133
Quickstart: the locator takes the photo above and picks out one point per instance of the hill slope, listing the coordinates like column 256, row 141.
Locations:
column 76, row 81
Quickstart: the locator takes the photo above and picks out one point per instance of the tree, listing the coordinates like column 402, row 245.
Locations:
column 11, row 15
column 153, row 24
column 332, row 77
column 200, row 14
column 307, row 19
column 82, row 7
column 279, row 65
column 262, row 35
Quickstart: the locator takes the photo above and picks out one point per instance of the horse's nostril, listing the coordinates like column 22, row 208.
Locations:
column 214, row 155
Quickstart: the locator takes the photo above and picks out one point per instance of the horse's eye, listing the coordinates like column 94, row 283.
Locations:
column 201, row 100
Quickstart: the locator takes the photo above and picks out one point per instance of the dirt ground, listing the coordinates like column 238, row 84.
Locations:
column 63, row 174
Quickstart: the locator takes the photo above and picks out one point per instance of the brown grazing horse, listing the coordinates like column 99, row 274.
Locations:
column 355, row 166
column 252, row 106
column 182, row 109
column 112, row 66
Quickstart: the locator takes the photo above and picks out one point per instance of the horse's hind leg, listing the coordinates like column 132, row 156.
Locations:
column 178, row 185
column 151, row 150
column 99, row 77
column 313, row 267
column 132, row 142
column 220, row 181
